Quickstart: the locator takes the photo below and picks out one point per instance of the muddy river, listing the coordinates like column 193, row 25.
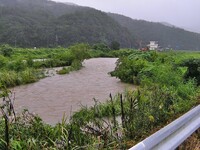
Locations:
column 54, row 96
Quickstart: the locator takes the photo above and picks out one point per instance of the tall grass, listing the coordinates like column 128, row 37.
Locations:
column 162, row 95
column 25, row 65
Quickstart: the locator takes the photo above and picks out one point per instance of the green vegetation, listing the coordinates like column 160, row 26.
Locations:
column 167, row 88
column 21, row 66
column 193, row 70
column 115, row 45
column 171, row 37
column 168, row 82
column 6, row 50
column 64, row 70
column 43, row 23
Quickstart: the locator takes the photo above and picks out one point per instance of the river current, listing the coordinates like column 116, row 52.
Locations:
column 54, row 96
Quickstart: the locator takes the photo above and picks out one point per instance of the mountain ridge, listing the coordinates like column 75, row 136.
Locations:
column 168, row 37
column 43, row 23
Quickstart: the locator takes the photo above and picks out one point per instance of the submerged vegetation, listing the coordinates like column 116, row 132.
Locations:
column 167, row 87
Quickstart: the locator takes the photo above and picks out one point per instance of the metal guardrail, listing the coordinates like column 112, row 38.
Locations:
column 172, row 135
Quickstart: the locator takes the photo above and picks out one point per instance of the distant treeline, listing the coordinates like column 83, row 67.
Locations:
column 42, row 23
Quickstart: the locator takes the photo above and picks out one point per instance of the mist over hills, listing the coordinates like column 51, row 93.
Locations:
column 167, row 35
column 43, row 23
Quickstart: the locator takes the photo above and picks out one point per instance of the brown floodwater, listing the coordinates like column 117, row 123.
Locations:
column 54, row 96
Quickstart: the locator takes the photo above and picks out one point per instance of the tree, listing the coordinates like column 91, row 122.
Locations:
column 101, row 46
column 115, row 45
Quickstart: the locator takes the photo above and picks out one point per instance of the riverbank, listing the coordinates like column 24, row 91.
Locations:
column 55, row 96
column 25, row 66
column 164, row 92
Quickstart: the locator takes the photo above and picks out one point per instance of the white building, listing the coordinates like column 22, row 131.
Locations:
column 153, row 45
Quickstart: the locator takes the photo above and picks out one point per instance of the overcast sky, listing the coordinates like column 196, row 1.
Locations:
column 181, row 13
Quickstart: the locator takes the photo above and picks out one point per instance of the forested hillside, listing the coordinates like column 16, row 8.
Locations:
column 44, row 23
column 171, row 37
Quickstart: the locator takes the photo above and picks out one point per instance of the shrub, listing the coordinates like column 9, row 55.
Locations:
column 3, row 61
column 6, row 50
column 64, row 70
column 101, row 47
column 115, row 45
column 193, row 69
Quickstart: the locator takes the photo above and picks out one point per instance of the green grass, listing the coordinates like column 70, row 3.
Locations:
column 163, row 93
column 24, row 66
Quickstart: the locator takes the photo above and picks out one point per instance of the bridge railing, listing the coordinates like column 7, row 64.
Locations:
column 172, row 135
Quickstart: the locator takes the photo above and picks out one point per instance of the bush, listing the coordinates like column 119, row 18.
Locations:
column 193, row 69
column 3, row 61
column 80, row 51
column 128, row 68
column 64, row 70
column 6, row 50
column 115, row 45
column 101, row 47
column 76, row 65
